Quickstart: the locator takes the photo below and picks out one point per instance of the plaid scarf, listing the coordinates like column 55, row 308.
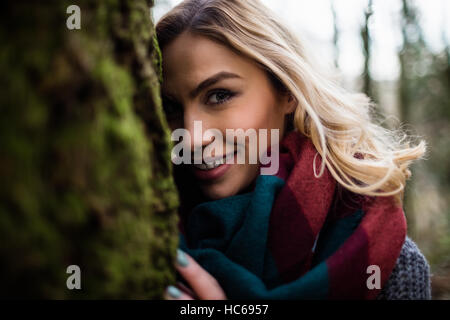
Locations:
column 295, row 236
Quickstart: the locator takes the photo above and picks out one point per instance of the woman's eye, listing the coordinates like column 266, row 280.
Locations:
column 218, row 97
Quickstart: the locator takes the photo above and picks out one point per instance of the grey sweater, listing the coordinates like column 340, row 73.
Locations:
column 410, row 279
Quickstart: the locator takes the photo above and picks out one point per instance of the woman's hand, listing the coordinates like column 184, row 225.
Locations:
column 204, row 286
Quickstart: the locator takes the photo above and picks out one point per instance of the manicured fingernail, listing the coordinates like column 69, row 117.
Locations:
column 181, row 258
column 173, row 292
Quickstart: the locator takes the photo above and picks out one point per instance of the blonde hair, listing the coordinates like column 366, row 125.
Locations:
column 364, row 157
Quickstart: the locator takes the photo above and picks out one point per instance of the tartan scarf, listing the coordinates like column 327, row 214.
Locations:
column 295, row 236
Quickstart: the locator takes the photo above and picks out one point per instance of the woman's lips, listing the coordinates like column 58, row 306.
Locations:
column 212, row 174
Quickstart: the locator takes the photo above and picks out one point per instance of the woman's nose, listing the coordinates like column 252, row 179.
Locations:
column 196, row 124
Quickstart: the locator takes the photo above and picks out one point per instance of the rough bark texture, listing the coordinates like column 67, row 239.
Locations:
column 85, row 168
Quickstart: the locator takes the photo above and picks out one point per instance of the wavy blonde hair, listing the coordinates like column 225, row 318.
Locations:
column 364, row 157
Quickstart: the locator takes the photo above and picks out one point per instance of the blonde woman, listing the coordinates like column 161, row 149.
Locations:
column 329, row 222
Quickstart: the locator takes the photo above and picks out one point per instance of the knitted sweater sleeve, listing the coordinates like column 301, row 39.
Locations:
column 410, row 279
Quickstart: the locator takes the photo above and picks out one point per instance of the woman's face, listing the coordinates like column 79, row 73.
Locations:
column 210, row 83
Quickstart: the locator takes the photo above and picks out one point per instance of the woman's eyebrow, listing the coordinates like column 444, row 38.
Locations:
column 212, row 80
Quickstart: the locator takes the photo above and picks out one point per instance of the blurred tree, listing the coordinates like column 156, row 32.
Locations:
column 335, row 35
column 85, row 168
column 412, row 51
column 366, row 40
column 425, row 102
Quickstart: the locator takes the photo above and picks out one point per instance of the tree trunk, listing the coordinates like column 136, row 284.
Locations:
column 366, row 39
column 85, row 168
column 335, row 35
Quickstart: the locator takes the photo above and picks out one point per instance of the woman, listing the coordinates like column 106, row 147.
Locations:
column 329, row 222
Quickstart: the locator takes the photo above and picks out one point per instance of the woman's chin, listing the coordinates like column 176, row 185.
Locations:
column 235, row 181
column 218, row 191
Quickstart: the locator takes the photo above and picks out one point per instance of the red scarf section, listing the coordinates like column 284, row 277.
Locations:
column 306, row 203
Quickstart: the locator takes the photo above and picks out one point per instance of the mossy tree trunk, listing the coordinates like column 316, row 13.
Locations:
column 85, row 172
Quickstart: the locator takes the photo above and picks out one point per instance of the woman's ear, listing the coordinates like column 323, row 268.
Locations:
column 290, row 103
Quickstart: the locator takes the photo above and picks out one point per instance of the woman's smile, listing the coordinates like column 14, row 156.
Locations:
column 214, row 168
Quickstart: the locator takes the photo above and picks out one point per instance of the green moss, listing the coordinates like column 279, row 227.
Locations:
column 158, row 59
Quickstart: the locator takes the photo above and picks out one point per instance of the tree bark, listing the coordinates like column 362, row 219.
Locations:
column 85, row 168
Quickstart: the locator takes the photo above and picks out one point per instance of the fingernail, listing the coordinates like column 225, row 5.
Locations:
column 173, row 292
column 181, row 258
